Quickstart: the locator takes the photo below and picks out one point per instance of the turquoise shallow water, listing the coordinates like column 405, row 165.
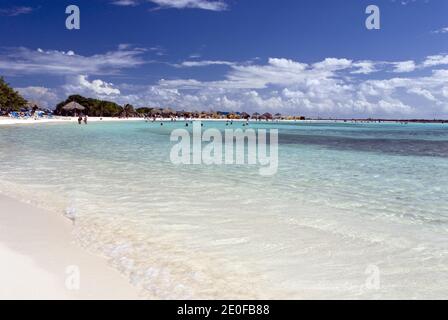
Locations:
column 347, row 199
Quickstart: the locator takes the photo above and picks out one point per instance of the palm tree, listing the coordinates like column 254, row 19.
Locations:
column 128, row 110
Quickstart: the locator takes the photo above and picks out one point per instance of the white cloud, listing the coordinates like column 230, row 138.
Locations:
column 445, row 92
column 331, row 88
column 422, row 92
column 276, row 72
column 442, row 30
column 126, row 2
column 41, row 96
column 26, row 61
column 196, row 4
column 97, row 88
column 435, row 60
column 333, row 64
column 364, row 67
column 404, row 66
column 205, row 63
column 323, row 88
column 212, row 5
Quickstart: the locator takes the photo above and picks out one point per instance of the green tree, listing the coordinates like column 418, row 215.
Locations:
column 128, row 111
column 94, row 107
column 10, row 100
column 144, row 110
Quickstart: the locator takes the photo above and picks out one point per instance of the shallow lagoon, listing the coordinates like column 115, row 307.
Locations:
column 349, row 202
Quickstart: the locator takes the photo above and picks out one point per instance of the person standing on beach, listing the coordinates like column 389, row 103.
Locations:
column 85, row 119
column 79, row 119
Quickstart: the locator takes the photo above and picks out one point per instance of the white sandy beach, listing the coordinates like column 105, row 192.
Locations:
column 39, row 257
column 11, row 121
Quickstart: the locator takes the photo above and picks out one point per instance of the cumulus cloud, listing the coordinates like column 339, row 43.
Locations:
column 41, row 96
column 422, row 92
column 333, row 87
column 333, row 64
column 97, row 88
column 364, row 67
column 435, row 60
column 288, row 86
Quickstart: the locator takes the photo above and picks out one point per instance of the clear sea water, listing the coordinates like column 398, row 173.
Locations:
column 355, row 210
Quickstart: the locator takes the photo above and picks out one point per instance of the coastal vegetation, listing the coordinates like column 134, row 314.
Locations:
column 10, row 100
column 102, row 108
column 94, row 107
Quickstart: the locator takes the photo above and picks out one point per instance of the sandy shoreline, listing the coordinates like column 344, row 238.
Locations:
column 40, row 259
column 11, row 121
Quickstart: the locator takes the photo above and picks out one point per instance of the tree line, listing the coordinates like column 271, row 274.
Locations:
column 97, row 108
column 10, row 100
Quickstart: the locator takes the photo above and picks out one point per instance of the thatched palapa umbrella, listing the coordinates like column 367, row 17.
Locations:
column 73, row 106
column 155, row 112
column 168, row 112
column 245, row 115
column 181, row 114
column 256, row 115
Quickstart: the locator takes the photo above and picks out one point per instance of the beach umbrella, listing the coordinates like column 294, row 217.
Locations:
column 73, row 106
column 205, row 114
column 187, row 114
column 167, row 112
column 181, row 113
column 267, row 115
column 245, row 115
column 155, row 112
column 256, row 115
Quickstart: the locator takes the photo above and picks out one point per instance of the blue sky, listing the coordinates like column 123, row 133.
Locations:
column 308, row 57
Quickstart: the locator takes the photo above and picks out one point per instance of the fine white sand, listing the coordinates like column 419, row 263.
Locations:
column 9, row 121
column 40, row 260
